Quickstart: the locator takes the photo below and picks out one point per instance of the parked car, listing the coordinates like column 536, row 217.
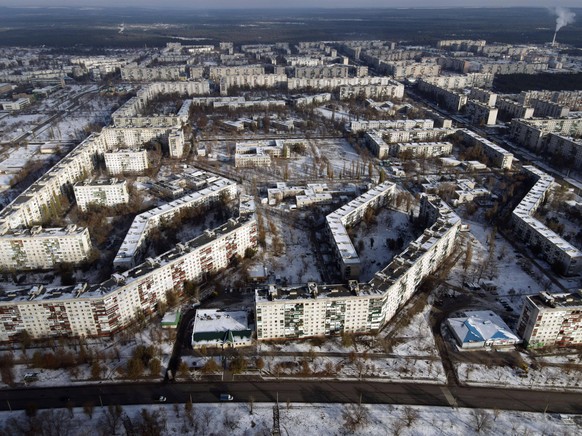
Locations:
column 226, row 397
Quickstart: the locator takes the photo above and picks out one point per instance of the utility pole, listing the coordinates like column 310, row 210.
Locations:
column 276, row 431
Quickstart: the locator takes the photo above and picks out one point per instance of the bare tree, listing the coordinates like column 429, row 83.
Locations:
column 111, row 420
column 397, row 427
column 229, row 421
column 410, row 416
column 88, row 408
column 251, row 404
column 481, row 420
column 355, row 416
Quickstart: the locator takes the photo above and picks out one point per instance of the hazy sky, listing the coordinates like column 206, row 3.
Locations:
column 240, row 4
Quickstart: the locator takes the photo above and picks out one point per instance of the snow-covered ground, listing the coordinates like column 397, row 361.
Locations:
column 402, row 354
column 296, row 262
column 543, row 378
column 374, row 249
column 111, row 355
column 298, row 419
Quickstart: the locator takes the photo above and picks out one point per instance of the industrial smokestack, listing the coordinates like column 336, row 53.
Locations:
column 563, row 17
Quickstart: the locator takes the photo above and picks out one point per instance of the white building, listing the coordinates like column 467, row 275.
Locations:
column 550, row 246
column 259, row 153
column 359, row 126
column 38, row 248
column 514, row 109
column 532, row 133
column 125, row 161
column 210, row 189
column 318, row 310
column 550, row 320
column 484, row 96
column 480, row 114
column 14, row 105
column 216, row 328
column 497, row 155
column 103, row 309
column 390, row 91
column 106, row 193
column 451, row 100
column 348, row 261
column 421, row 149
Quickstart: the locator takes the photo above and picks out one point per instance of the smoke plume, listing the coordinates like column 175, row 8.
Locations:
column 563, row 17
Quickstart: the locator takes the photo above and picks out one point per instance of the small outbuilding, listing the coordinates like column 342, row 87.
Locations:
column 221, row 329
column 481, row 329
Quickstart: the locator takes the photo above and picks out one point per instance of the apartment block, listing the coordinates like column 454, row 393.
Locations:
column 103, row 309
column 336, row 82
column 514, row 109
column 550, row 109
column 216, row 73
column 532, row 133
column 451, row 100
column 376, row 144
column 551, row 320
column 461, row 81
column 391, row 91
column 108, row 193
column 415, row 135
column 421, row 149
column 497, row 155
column 545, row 242
column 480, row 114
column 39, row 248
column 570, row 149
column 319, row 71
column 133, row 73
column 322, row 310
column 484, row 96
column 346, row 257
column 126, row 161
column 359, row 126
column 210, row 189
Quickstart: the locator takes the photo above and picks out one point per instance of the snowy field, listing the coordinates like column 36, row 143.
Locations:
column 295, row 419
column 372, row 241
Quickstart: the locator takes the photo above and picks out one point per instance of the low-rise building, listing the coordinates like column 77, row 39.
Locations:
column 481, row 329
column 215, row 328
column 421, row 149
column 14, row 105
column 259, row 153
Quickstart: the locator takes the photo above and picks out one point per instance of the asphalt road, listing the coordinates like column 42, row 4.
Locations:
column 296, row 391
